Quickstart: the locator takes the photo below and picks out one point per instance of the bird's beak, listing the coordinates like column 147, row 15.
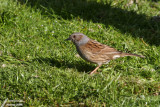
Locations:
column 67, row 39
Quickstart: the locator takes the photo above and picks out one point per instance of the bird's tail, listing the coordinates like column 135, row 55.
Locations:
column 129, row 54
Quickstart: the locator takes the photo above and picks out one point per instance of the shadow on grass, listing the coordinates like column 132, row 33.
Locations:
column 80, row 65
column 138, row 25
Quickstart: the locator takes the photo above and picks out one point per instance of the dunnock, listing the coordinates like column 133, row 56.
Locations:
column 94, row 51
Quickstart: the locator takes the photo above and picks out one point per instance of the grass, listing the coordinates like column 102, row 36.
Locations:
column 40, row 68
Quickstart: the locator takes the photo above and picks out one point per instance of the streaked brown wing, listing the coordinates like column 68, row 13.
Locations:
column 98, row 48
column 98, row 52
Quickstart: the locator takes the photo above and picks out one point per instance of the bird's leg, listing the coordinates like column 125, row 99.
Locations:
column 95, row 70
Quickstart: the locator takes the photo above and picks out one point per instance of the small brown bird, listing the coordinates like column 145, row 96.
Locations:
column 94, row 51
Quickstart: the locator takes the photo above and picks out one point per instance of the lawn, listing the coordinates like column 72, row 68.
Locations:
column 40, row 68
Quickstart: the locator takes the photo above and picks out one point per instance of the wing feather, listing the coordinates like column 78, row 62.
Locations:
column 97, row 52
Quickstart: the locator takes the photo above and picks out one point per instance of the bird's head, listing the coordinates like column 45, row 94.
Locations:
column 78, row 39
